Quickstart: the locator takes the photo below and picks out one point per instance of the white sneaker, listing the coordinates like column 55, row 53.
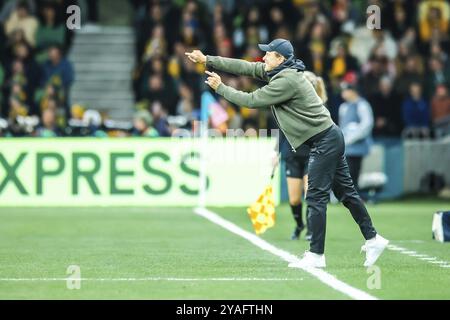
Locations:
column 374, row 248
column 309, row 259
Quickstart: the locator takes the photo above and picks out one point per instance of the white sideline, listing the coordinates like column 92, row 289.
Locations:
column 321, row 275
column 419, row 256
column 146, row 279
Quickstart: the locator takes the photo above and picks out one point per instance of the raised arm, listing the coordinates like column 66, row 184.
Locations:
column 277, row 91
column 234, row 66
column 238, row 66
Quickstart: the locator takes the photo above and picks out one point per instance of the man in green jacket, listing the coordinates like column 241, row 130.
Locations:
column 303, row 118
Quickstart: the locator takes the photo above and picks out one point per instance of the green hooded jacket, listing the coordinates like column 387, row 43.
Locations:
column 298, row 110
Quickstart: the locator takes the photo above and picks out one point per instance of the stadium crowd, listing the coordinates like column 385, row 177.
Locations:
column 35, row 76
column 401, row 69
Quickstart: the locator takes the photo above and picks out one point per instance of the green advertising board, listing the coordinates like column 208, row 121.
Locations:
column 133, row 171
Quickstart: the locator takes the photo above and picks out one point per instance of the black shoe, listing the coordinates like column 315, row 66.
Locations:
column 308, row 236
column 296, row 233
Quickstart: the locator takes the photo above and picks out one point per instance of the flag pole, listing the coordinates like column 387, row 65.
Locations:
column 274, row 168
column 204, row 117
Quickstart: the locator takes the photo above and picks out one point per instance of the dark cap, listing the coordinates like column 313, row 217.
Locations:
column 282, row 46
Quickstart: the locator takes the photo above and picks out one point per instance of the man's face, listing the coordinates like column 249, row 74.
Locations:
column 272, row 60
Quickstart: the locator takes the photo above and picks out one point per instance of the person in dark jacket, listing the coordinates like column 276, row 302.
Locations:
column 416, row 113
column 296, row 164
column 58, row 65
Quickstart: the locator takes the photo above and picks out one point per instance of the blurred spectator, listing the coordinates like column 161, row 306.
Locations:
column 94, row 121
column 48, row 127
column 386, row 104
column 436, row 76
column 24, row 72
column 159, row 90
column 433, row 18
column 356, row 122
column 21, row 19
column 399, row 17
column 416, row 113
column 77, row 112
column 185, row 106
column 16, row 108
column 413, row 73
column 341, row 61
column 440, row 105
column 16, row 37
column 311, row 13
column 145, row 26
column 10, row 5
column 57, row 69
column 316, row 48
column 376, row 68
column 251, row 30
column 50, row 31
column 365, row 40
column 234, row 117
column 58, row 72
column 160, row 121
column 344, row 16
column 436, row 51
column 143, row 125
column 404, row 52
column 156, row 45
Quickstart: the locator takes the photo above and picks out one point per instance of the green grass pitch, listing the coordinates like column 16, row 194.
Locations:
column 172, row 253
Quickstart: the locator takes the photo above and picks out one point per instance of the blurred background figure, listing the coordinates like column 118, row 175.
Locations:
column 440, row 110
column 356, row 122
column 48, row 127
column 143, row 125
column 40, row 57
column 416, row 113
column 22, row 19
column 386, row 103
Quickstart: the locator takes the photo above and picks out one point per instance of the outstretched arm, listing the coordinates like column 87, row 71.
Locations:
column 234, row 66
column 238, row 66
column 276, row 92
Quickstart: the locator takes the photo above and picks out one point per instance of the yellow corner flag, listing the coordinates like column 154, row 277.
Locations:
column 262, row 212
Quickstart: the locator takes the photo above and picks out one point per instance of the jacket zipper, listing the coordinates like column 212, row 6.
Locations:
column 278, row 123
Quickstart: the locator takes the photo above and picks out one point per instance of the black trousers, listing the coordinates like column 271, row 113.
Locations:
column 354, row 164
column 328, row 170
